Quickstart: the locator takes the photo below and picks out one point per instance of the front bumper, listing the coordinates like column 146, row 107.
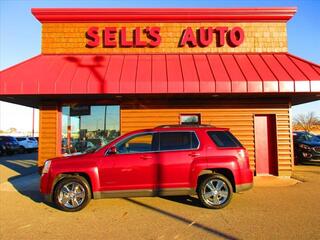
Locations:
column 45, row 187
column 47, row 198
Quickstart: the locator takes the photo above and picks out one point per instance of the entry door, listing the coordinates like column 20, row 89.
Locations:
column 133, row 164
column 177, row 152
column 265, row 145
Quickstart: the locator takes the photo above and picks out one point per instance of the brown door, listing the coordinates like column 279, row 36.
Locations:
column 265, row 144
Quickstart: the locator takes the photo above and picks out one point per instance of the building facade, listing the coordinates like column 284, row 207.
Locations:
column 104, row 72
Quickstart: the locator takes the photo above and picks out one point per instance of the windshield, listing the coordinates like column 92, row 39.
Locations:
column 92, row 150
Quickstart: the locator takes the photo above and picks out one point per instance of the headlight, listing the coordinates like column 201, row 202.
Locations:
column 305, row 147
column 46, row 167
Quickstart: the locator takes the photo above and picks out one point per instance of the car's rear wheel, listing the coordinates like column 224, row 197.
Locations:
column 72, row 194
column 215, row 191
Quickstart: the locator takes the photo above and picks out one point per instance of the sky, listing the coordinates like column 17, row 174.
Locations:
column 20, row 36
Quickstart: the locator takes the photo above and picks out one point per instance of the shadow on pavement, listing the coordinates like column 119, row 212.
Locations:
column 187, row 200
column 184, row 220
column 24, row 164
column 28, row 186
column 27, row 180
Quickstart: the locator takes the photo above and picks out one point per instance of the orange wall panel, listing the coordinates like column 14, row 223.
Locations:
column 49, row 134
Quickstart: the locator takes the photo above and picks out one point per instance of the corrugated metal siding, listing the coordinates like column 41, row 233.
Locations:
column 49, row 134
column 238, row 118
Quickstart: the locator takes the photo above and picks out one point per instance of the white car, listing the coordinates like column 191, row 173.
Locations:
column 27, row 144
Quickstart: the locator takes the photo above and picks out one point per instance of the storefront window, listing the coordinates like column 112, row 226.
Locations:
column 86, row 128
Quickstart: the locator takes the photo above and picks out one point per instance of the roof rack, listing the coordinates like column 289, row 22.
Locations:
column 185, row 126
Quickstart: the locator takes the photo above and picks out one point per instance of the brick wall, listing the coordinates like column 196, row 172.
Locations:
column 59, row 38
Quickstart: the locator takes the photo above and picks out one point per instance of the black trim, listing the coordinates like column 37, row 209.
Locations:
column 144, row 193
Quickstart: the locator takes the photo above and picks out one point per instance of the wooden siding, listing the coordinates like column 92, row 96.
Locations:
column 239, row 117
column 49, row 134
column 69, row 38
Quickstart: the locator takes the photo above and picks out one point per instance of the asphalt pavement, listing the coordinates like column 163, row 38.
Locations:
column 283, row 212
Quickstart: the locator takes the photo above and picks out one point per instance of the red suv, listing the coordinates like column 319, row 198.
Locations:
column 164, row 161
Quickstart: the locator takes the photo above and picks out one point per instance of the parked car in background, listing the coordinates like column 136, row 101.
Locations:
column 27, row 144
column 306, row 146
column 2, row 148
column 9, row 144
column 164, row 161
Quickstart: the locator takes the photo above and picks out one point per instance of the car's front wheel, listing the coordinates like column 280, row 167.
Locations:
column 215, row 191
column 72, row 194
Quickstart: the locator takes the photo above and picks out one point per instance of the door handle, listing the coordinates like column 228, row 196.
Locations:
column 194, row 154
column 145, row 157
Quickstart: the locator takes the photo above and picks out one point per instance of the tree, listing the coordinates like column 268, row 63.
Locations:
column 306, row 122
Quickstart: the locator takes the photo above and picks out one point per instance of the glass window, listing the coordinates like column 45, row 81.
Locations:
column 21, row 139
column 86, row 128
column 194, row 141
column 224, row 139
column 178, row 141
column 136, row 144
column 188, row 119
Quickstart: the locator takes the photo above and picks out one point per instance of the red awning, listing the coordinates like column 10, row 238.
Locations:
column 161, row 73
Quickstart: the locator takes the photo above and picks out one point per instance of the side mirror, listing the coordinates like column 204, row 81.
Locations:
column 112, row 150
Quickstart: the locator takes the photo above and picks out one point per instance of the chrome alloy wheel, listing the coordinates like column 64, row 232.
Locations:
column 72, row 195
column 215, row 192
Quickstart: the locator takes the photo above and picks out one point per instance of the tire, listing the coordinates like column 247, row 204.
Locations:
column 210, row 196
column 72, row 203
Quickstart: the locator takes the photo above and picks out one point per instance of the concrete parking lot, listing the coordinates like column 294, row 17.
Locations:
column 287, row 212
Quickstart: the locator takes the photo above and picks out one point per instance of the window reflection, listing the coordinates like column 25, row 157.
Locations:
column 86, row 128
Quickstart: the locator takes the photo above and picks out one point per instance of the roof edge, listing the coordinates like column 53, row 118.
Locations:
column 282, row 14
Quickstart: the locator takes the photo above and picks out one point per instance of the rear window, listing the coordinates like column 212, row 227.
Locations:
column 178, row 141
column 224, row 139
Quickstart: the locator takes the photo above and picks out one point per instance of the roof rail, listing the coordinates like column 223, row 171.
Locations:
column 185, row 126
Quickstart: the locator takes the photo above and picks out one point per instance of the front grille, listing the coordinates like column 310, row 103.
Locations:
column 316, row 149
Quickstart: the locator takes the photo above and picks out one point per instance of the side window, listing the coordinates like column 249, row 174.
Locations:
column 178, row 141
column 224, row 139
column 136, row 144
column 194, row 141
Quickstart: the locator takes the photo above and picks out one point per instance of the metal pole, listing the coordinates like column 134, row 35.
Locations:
column 105, row 119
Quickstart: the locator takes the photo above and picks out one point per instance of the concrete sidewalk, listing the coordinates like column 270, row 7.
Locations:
column 273, row 181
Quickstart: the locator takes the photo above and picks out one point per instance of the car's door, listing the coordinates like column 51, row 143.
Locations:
column 178, row 150
column 132, row 164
